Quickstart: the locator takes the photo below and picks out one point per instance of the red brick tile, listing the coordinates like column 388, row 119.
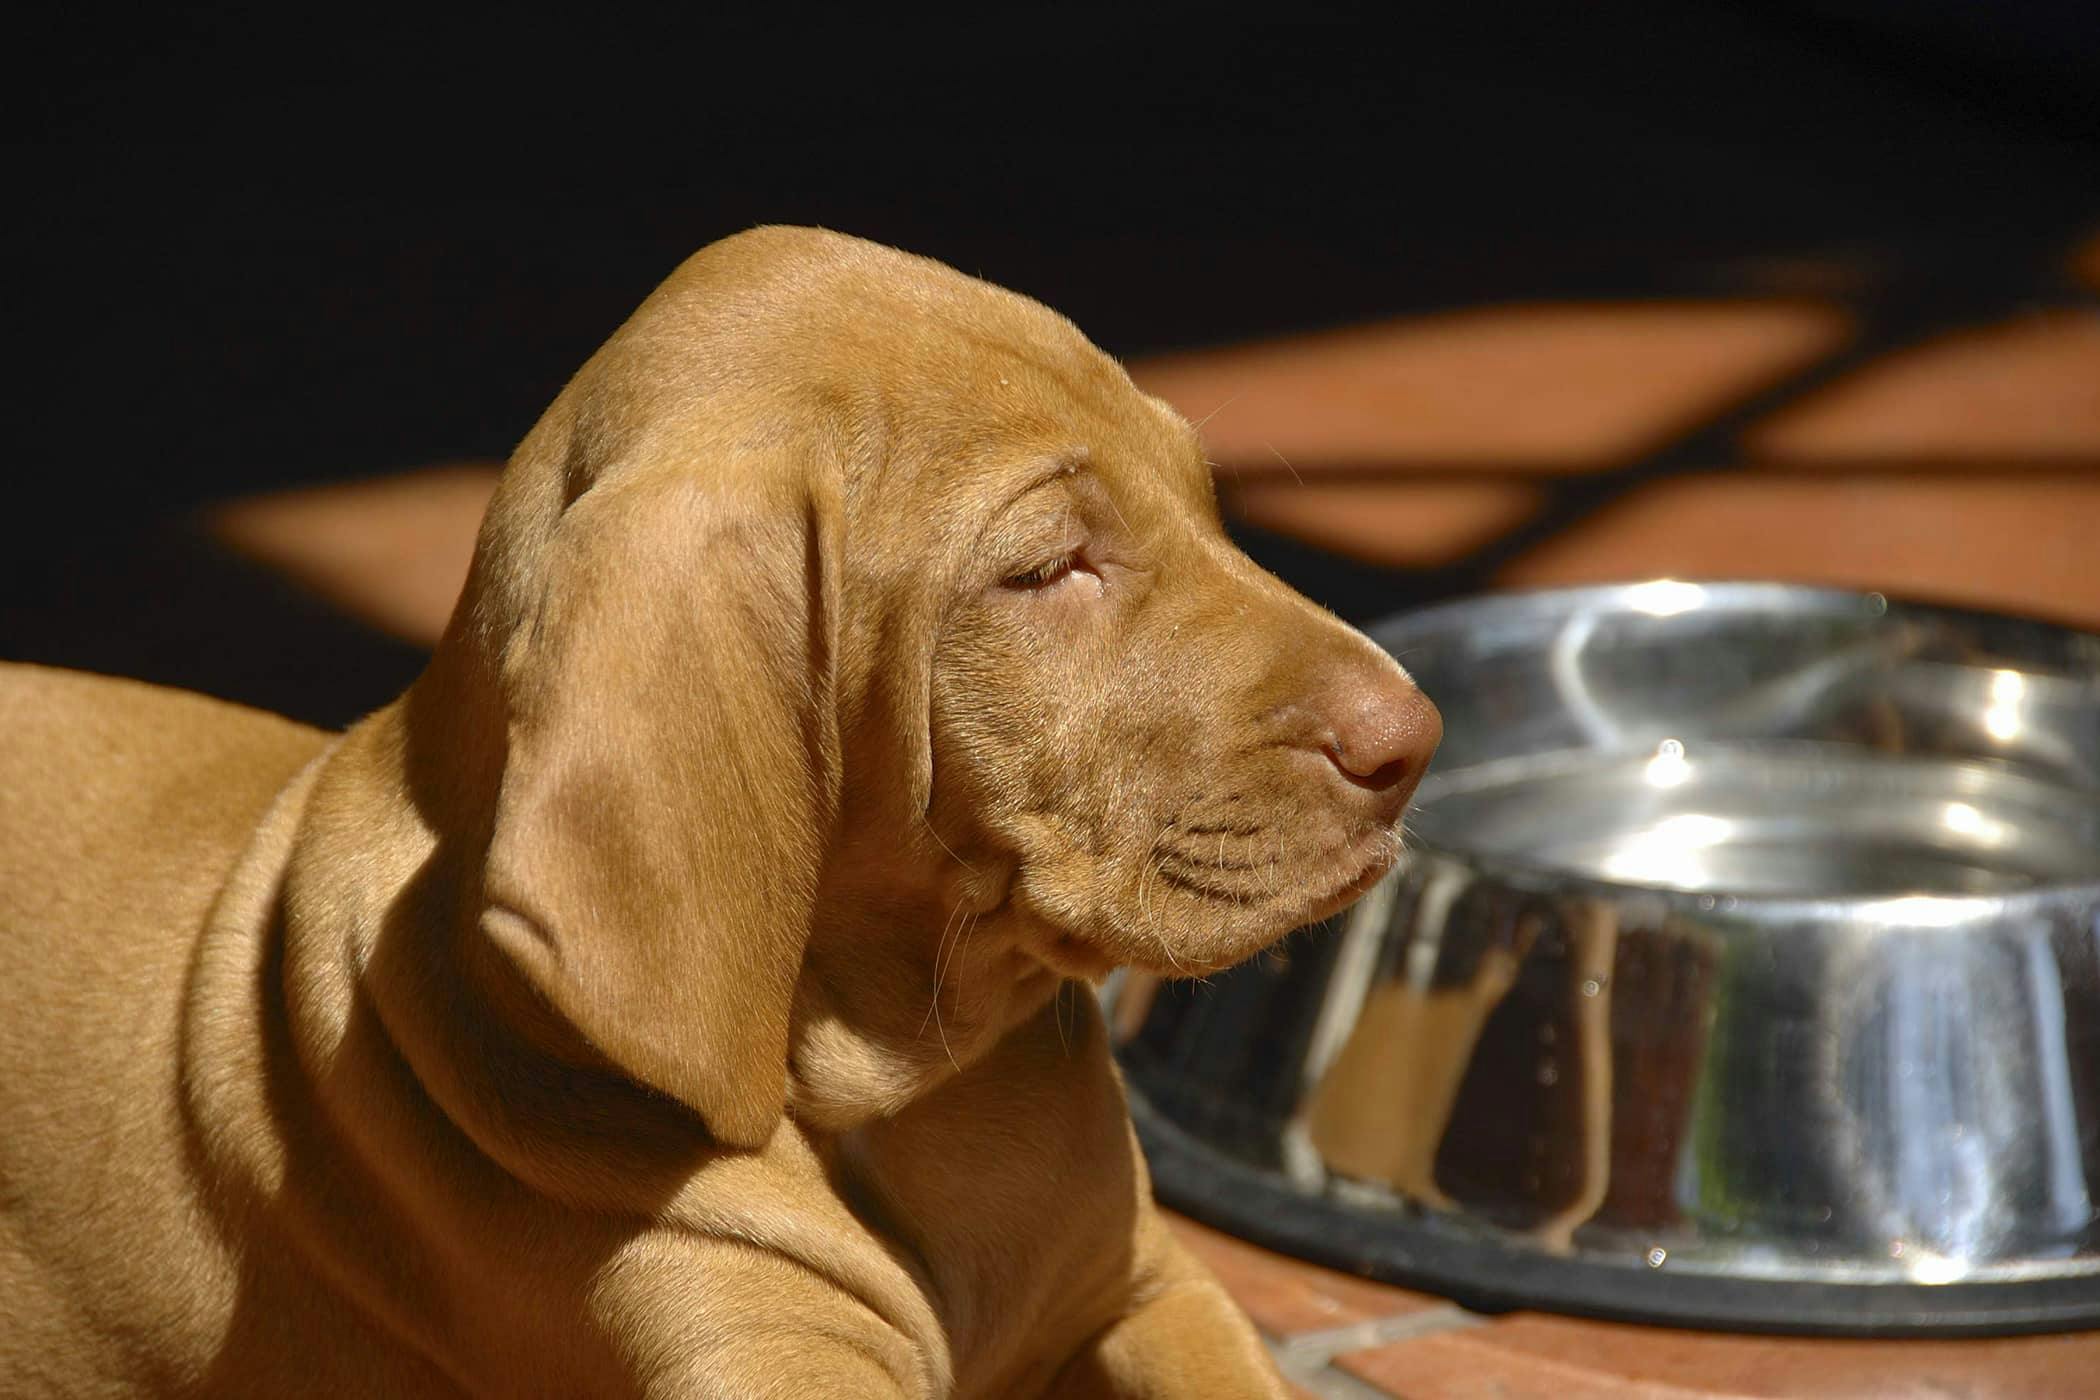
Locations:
column 1556, row 386
column 1567, row 1359
column 2029, row 387
column 1286, row 1297
column 1457, row 1366
column 391, row 551
column 2019, row 546
column 1419, row 524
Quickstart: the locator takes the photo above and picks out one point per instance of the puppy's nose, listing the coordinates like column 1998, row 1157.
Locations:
column 1380, row 732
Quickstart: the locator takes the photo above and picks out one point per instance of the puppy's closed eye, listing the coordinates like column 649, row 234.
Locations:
column 1051, row 571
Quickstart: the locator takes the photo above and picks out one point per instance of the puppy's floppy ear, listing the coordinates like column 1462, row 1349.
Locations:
column 672, row 771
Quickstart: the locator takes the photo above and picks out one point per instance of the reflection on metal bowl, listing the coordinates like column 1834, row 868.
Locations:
column 1745, row 969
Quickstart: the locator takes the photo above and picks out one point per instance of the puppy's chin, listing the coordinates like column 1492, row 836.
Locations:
column 1380, row 862
column 1075, row 933
column 1175, row 932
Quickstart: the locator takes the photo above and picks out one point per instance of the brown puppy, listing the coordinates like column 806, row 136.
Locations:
column 662, row 997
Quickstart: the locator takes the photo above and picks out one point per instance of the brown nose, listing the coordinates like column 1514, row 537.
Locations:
column 1379, row 733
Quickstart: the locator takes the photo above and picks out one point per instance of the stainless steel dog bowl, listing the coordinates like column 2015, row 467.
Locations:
column 1745, row 969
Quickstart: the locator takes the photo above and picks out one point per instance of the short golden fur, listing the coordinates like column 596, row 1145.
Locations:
column 660, row 999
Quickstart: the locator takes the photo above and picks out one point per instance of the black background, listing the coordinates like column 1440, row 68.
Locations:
column 247, row 251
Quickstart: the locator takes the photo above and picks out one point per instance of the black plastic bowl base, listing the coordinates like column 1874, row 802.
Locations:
column 1485, row 1276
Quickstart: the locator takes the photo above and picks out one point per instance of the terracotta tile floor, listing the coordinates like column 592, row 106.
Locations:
column 1342, row 1337
column 1533, row 1355
column 1962, row 464
column 1965, row 468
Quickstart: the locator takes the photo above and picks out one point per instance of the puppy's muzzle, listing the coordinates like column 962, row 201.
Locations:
column 1376, row 732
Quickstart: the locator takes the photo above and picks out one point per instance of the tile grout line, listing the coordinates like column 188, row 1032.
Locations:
column 1324, row 1346
column 1307, row 1358
column 1328, row 1383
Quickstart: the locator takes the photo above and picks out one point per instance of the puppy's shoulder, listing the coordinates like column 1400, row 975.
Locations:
column 71, row 723
column 107, row 779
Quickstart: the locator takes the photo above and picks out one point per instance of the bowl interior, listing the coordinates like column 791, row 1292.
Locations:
column 1759, row 740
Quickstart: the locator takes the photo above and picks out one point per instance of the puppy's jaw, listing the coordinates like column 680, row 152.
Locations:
column 1182, row 897
column 1384, row 856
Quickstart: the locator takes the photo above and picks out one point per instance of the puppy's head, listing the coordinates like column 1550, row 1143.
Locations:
column 1169, row 758
column 841, row 597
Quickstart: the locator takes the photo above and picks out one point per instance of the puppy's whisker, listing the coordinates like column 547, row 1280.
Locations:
column 943, row 1032
column 1204, row 421
column 1286, row 462
column 927, row 822
column 943, row 963
column 1119, row 518
column 960, row 960
column 1144, row 873
column 1156, row 862
column 933, row 1007
column 955, row 962
column 934, row 1011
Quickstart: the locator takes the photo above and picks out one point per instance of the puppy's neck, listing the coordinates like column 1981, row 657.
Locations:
column 900, row 994
column 381, row 894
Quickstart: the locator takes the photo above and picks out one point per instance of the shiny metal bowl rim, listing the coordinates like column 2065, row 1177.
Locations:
column 1733, row 594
